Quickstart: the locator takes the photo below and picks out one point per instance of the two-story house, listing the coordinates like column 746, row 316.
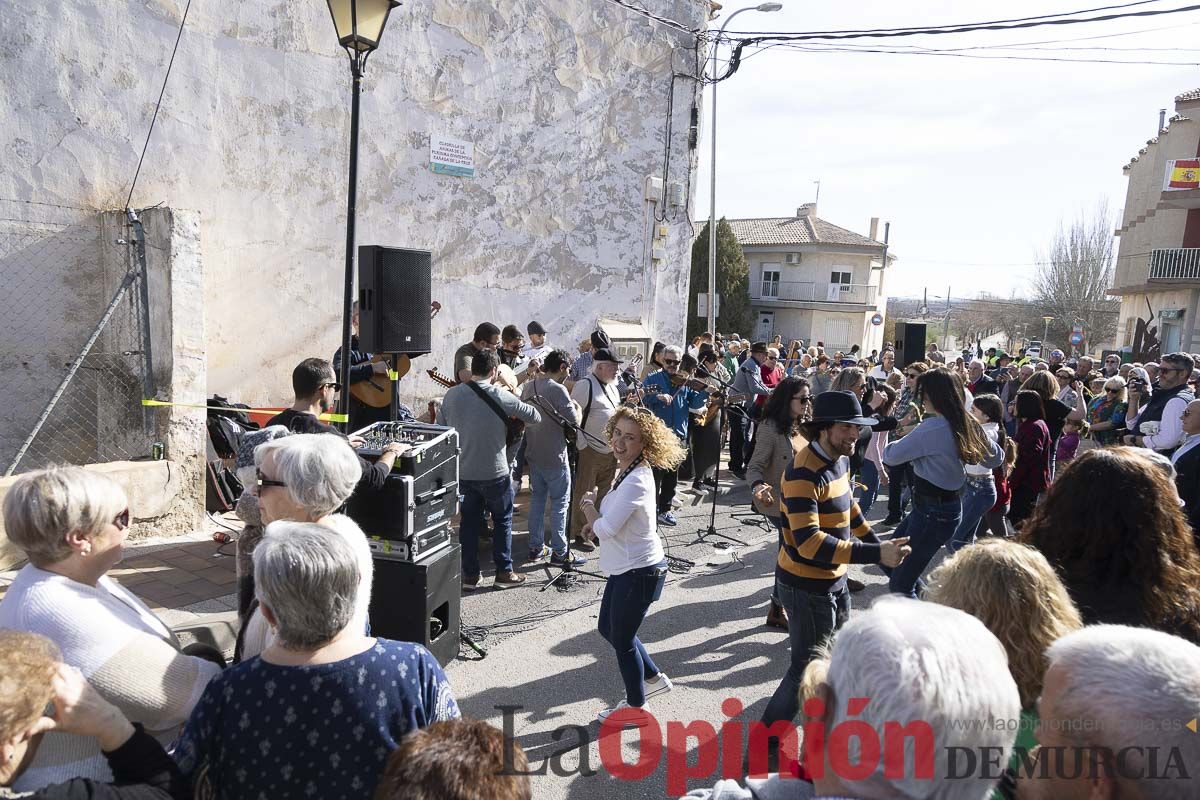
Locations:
column 1157, row 274
column 815, row 281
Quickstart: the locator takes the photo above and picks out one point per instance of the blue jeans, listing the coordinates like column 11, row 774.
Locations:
column 553, row 484
column 979, row 495
column 812, row 617
column 496, row 496
column 929, row 525
column 870, row 477
column 627, row 597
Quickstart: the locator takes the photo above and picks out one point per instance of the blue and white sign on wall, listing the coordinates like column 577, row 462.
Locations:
column 451, row 156
column 877, row 319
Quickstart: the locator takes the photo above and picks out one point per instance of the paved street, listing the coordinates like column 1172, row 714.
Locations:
column 545, row 656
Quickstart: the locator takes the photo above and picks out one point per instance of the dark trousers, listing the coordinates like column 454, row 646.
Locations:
column 496, row 496
column 627, row 598
column 897, row 476
column 1021, row 506
column 812, row 617
column 737, row 441
column 665, row 481
column 928, row 526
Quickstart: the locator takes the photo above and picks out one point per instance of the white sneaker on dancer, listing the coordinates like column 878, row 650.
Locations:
column 659, row 684
column 621, row 706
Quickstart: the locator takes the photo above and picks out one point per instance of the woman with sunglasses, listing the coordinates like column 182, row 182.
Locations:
column 938, row 449
column 776, row 443
column 71, row 523
column 1106, row 412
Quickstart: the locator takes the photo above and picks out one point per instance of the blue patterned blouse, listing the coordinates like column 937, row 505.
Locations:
column 323, row 731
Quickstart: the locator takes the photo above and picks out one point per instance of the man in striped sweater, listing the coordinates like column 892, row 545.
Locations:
column 823, row 533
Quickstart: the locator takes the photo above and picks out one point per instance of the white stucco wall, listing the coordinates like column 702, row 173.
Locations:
column 564, row 100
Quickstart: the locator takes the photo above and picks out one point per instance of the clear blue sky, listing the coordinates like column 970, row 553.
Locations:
column 974, row 162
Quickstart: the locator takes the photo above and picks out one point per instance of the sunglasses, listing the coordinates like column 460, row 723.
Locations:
column 337, row 387
column 670, row 362
column 260, row 480
column 1112, row 391
column 912, row 375
column 122, row 520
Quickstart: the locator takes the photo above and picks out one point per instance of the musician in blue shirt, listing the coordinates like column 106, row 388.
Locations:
column 674, row 405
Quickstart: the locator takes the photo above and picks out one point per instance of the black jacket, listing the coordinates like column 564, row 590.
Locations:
column 141, row 770
column 1187, row 481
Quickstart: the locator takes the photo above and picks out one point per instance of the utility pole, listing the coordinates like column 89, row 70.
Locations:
column 946, row 323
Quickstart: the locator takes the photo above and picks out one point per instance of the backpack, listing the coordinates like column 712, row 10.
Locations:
column 221, row 486
column 226, row 425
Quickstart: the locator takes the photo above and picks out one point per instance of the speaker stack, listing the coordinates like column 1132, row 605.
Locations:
column 394, row 293
column 910, row 343
column 415, row 594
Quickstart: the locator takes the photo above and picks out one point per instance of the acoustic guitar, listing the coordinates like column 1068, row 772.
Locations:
column 376, row 391
column 515, row 427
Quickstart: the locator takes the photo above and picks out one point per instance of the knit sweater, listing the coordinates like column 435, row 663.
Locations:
column 123, row 650
column 823, row 529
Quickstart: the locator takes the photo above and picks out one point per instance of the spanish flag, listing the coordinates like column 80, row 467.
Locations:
column 1183, row 174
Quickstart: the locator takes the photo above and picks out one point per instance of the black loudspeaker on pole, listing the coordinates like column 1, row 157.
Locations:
column 910, row 343
column 394, row 293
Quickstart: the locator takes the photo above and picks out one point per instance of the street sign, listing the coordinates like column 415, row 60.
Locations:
column 1077, row 338
column 702, row 305
column 877, row 319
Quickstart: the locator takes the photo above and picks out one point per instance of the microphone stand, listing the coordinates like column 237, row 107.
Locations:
column 570, row 432
column 701, row 538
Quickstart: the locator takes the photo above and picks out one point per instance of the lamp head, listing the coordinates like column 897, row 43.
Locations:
column 769, row 7
column 360, row 23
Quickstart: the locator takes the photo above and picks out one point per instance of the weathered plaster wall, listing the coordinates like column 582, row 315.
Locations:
column 565, row 101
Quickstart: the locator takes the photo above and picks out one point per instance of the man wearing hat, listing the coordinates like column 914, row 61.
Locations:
column 597, row 396
column 823, row 533
column 747, row 381
column 583, row 365
column 538, row 347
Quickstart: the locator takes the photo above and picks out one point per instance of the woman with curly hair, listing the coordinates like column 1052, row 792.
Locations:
column 1012, row 589
column 1113, row 528
column 632, row 554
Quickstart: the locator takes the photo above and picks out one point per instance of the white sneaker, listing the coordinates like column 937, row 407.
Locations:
column 606, row 713
column 659, row 684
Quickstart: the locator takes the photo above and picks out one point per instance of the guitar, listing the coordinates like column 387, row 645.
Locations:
column 376, row 391
column 713, row 409
column 441, row 379
column 516, row 427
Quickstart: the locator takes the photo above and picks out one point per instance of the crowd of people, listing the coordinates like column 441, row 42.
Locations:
column 1065, row 614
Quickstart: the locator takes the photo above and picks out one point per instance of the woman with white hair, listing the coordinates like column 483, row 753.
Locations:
column 71, row 523
column 306, row 478
column 317, row 714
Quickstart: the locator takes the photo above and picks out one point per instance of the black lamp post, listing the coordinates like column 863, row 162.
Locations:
column 359, row 25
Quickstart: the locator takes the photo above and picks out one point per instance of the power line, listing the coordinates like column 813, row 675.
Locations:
column 670, row 23
column 950, row 27
column 158, row 105
column 735, row 59
column 876, row 51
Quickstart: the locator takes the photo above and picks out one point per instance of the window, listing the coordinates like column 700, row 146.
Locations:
column 841, row 278
column 770, row 283
column 837, row 333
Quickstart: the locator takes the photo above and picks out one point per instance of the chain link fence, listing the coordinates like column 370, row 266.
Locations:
column 72, row 339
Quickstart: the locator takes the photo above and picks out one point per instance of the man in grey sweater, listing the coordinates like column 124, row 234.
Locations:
column 474, row 409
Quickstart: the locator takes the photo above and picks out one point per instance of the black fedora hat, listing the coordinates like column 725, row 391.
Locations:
column 839, row 407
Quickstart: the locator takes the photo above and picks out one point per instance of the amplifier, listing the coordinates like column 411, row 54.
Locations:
column 431, row 445
column 419, row 602
column 417, row 547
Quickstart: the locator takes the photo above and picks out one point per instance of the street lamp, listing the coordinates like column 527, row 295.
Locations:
column 712, row 177
column 359, row 25
column 1046, row 328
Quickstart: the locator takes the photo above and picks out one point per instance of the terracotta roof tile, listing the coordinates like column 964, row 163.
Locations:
column 1194, row 94
column 795, row 231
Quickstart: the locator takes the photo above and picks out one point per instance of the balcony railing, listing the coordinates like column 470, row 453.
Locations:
column 815, row 292
column 1175, row 264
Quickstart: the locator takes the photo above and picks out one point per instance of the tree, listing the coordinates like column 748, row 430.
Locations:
column 1074, row 276
column 733, row 284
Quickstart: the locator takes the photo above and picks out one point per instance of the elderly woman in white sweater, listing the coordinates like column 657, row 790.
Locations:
column 306, row 478
column 71, row 524
column 630, row 552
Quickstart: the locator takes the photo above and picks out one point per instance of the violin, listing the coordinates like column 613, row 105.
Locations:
column 679, row 380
